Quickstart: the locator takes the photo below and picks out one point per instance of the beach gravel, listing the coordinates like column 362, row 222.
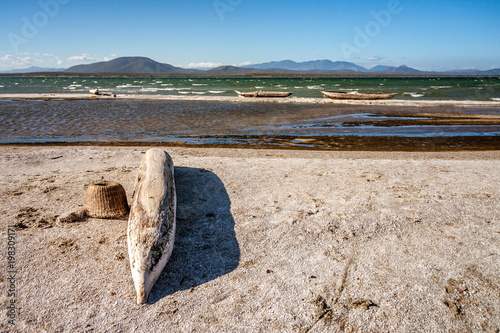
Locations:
column 267, row 240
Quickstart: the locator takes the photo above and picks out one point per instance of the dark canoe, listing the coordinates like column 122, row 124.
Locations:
column 356, row 95
column 261, row 93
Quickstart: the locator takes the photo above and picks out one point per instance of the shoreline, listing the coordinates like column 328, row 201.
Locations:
column 298, row 143
column 289, row 100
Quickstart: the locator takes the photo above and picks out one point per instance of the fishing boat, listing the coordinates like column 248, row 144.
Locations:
column 261, row 93
column 357, row 95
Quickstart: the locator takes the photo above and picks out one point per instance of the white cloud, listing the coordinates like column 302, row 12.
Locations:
column 10, row 60
column 25, row 59
column 246, row 63
column 204, row 65
column 83, row 57
column 114, row 55
column 376, row 58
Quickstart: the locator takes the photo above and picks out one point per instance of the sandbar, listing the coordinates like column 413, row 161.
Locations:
column 393, row 102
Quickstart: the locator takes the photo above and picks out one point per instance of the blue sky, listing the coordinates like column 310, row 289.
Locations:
column 428, row 35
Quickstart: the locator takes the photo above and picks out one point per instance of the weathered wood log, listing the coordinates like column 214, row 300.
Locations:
column 106, row 200
column 151, row 224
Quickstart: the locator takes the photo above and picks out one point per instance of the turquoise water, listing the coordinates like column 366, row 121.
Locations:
column 461, row 88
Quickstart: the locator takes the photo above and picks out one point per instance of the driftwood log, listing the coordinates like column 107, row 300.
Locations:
column 151, row 224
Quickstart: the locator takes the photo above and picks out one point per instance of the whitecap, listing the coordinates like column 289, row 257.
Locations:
column 199, row 84
column 495, row 99
column 149, row 89
column 128, row 85
column 440, row 87
column 1, row 86
column 413, row 94
column 217, row 91
column 314, row 87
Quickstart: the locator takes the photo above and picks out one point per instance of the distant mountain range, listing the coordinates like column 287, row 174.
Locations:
column 143, row 65
column 32, row 69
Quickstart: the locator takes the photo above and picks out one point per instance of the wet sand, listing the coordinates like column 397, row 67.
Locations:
column 267, row 240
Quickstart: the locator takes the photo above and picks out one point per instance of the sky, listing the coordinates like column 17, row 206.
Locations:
column 423, row 34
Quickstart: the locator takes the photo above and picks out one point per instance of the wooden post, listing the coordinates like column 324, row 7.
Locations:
column 151, row 224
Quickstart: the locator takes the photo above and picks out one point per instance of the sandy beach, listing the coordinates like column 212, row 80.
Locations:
column 391, row 102
column 267, row 240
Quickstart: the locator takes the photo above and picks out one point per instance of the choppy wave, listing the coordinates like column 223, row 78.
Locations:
column 412, row 94
column 440, row 87
column 152, row 89
column 408, row 88
column 127, row 86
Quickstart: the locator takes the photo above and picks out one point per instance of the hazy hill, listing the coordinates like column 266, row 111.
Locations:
column 380, row 68
column 232, row 70
column 129, row 65
column 401, row 70
column 32, row 69
column 144, row 65
column 316, row 65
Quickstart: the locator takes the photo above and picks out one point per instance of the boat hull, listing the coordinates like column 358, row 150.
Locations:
column 357, row 96
column 261, row 93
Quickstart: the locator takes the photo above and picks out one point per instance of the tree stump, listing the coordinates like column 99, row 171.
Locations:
column 106, row 200
column 151, row 224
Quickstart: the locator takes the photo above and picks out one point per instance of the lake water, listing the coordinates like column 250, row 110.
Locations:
column 221, row 123
column 461, row 88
